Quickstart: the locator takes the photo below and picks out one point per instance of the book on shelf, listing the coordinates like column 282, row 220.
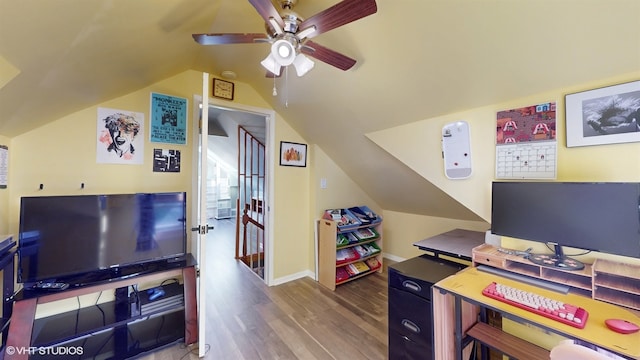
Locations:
column 342, row 240
column 366, row 233
column 371, row 248
column 361, row 251
column 346, row 255
column 366, row 249
column 373, row 263
column 344, row 218
column 353, row 239
column 341, row 274
column 357, row 268
column 365, row 215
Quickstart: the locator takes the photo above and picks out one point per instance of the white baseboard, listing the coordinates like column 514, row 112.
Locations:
column 296, row 276
column 393, row 257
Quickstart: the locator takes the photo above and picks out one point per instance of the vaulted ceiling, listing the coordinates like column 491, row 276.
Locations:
column 416, row 59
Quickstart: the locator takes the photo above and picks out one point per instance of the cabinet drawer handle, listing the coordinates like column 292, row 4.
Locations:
column 411, row 285
column 411, row 326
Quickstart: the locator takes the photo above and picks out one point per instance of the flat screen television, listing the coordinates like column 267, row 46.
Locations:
column 595, row 216
column 85, row 238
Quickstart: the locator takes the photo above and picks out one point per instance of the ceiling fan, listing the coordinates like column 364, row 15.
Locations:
column 289, row 34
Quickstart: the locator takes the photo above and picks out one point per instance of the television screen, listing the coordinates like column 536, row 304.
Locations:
column 66, row 236
column 602, row 217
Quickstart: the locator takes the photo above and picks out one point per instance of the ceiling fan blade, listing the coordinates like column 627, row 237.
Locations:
column 222, row 39
column 342, row 13
column 266, row 9
column 327, row 55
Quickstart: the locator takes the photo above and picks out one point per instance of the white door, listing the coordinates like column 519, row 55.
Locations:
column 199, row 208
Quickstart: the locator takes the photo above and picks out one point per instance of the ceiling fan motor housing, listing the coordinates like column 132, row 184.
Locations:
column 291, row 21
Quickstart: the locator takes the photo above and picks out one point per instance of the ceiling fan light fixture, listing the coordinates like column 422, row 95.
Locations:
column 271, row 65
column 303, row 65
column 283, row 52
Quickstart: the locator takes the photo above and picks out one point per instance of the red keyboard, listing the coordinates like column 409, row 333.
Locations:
column 550, row 308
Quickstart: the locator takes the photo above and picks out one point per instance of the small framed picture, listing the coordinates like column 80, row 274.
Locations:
column 293, row 154
column 607, row 115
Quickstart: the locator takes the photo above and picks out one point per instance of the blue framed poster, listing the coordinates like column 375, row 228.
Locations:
column 168, row 119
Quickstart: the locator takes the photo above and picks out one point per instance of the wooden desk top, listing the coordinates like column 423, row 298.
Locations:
column 470, row 282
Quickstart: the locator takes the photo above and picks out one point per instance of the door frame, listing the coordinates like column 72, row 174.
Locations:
column 270, row 123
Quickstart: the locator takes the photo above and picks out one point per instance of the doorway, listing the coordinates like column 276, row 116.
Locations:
column 235, row 180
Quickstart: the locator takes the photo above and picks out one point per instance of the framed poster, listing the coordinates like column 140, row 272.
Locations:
column 607, row 115
column 293, row 154
column 168, row 119
column 120, row 136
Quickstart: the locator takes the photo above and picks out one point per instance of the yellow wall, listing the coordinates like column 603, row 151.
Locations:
column 293, row 236
column 617, row 162
column 62, row 154
column 340, row 192
column 405, row 229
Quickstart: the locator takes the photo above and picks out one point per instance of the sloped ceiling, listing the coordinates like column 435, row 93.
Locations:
column 417, row 59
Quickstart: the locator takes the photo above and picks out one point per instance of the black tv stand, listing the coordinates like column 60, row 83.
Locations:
column 557, row 261
column 107, row 329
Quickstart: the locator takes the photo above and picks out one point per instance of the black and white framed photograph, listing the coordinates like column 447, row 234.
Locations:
column 166, row 160
column 293, row 154
column 608, row 115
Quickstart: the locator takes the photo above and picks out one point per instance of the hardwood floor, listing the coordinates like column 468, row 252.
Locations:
column 297, row 320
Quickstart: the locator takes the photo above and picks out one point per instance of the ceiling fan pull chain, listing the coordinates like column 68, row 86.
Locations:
column 286, row 87
column 275, row 91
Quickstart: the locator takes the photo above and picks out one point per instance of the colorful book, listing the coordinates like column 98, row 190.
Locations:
column 373, row 263
column 346, row 255
column 366, row 233
column 357, row 268
column 341, row 274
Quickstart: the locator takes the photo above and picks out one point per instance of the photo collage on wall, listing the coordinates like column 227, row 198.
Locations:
column 121, row 133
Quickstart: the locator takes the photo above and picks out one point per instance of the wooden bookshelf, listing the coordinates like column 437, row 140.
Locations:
column 327, row 248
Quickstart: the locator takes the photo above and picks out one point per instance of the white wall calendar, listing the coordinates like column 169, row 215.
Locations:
column 526, row 145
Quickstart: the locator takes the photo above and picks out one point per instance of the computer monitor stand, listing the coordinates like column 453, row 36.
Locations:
column 557, row 260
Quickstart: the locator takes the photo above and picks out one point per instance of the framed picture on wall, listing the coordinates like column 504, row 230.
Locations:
column 293, row 154
column 607, row 115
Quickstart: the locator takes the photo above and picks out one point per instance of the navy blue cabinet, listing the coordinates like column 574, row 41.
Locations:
column 410, row 309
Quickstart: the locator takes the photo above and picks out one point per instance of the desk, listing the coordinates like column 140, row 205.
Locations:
column 460, row 298
column 457, row 243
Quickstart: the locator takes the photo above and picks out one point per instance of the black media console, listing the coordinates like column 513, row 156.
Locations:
column 126, row 327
